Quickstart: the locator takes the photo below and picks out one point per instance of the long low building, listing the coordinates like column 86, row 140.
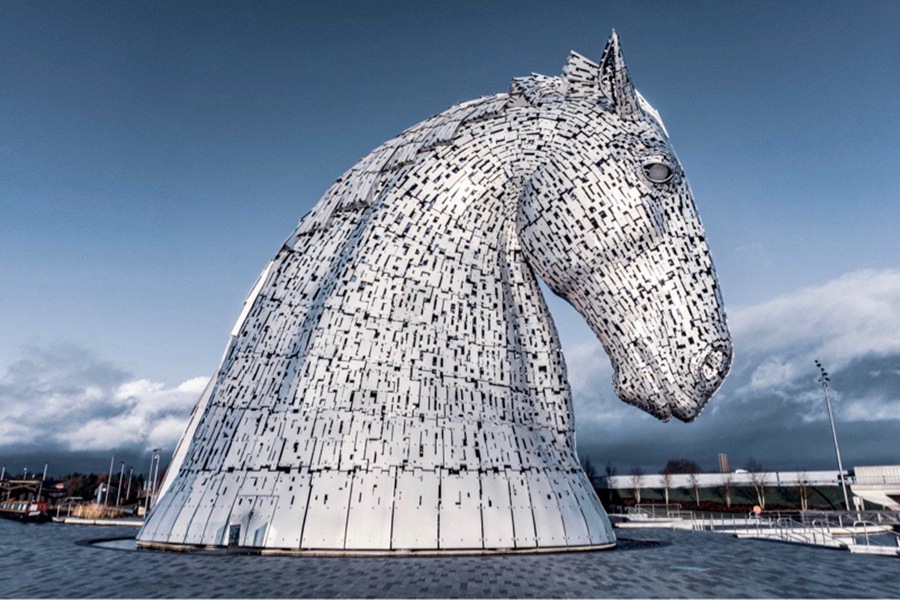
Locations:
column 880, row 485
column 876, row 484
column 737, row 478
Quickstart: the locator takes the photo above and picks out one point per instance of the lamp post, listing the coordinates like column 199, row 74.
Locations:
column 155, row 478
column 119, row 491
column 149, row 490
column 109, row 480
column 128, row 491
column 41, row 487
column 824, row 380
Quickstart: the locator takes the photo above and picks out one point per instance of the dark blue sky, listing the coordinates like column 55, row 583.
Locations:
column 153, row 156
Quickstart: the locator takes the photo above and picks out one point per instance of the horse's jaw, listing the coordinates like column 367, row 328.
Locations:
column 663, row 394
column 661, row 322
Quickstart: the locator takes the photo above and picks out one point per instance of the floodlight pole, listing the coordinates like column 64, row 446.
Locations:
column 824, row 380
column 147, row 487
column 153, row 489
column 119, row 492
column 41, row 487
column 150, row 479
column 128, row 492
column 109, row 480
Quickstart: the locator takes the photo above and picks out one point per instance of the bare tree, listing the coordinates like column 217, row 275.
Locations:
column 588, row 467
column 667, row 484
column 637, row 480
column 758, row 481
column 694, row 479
column 610, row 471
column 681, row 466
column 803, row 488
column 728, row 484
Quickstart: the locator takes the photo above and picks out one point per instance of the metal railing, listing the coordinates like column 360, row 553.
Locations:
column 836, row 529
column 657, row 511
column 890, row 537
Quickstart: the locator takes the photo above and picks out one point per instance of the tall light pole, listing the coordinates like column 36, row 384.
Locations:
column 119, row 491
column 155, row 478
column 109, row 480
column 128, row 491
column 824, row 380
column 149, row 490
column 41, row 487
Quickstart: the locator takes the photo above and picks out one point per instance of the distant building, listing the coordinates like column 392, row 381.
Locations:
column 738, row 478
column 879, row 485
column 724, row 464
column 876, row 485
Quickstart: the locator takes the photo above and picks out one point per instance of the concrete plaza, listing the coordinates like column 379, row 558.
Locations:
column 52, row 560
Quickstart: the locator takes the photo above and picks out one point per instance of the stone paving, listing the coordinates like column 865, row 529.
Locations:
column 48, row 561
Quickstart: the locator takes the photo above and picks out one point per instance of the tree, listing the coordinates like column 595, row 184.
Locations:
column 637, row 480
column 728, row 484
column 681, row 466
column 610, row 471
column 803, row 488
column 75, row 484
column 695, row 483
column 667, row 484
column 758, row 481
column 588, row 467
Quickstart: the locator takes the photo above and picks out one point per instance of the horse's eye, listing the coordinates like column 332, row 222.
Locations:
column 657, row 172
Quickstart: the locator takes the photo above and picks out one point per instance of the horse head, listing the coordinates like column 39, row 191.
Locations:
column 395, row 381
column 607, row 219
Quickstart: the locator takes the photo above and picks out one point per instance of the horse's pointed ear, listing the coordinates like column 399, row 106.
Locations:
column 615, row 80
column 582, row 75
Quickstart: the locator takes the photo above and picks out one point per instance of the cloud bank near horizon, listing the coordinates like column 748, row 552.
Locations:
column 66, row 398
column 771, row 409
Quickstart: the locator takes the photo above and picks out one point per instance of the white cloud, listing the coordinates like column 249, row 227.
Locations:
column 590, row 377
column 843, row 320
column 67, row 398
column 870, row 408
column 771, row 406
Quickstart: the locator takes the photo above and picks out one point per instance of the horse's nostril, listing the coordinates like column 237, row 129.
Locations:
column 714, row 366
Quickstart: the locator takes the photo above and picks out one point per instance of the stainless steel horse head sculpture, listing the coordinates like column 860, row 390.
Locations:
column 395, row 382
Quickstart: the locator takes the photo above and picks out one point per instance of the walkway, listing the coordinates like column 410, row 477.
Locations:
column 45, row 561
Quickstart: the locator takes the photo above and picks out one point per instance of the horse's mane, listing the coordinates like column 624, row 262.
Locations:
column 336, row 223
column 358, row 187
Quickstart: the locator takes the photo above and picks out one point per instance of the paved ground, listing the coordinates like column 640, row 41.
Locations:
column 46, row 561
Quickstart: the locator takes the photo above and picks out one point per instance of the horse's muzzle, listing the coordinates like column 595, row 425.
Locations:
column 664, row 394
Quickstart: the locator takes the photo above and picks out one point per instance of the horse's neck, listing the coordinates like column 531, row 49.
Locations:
column 410, row 275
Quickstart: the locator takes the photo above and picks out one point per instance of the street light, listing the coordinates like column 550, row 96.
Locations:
column 824, row 380
column 128, row 492
column 155, row 479
column 119, row 492
column 41, row 486
column 151, row 481
column 109, row 481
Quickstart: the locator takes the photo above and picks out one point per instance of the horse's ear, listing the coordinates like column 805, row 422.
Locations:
column 582, row 75
column 616, row 82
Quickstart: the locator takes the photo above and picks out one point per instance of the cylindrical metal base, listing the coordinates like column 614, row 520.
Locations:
column 363, row 553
